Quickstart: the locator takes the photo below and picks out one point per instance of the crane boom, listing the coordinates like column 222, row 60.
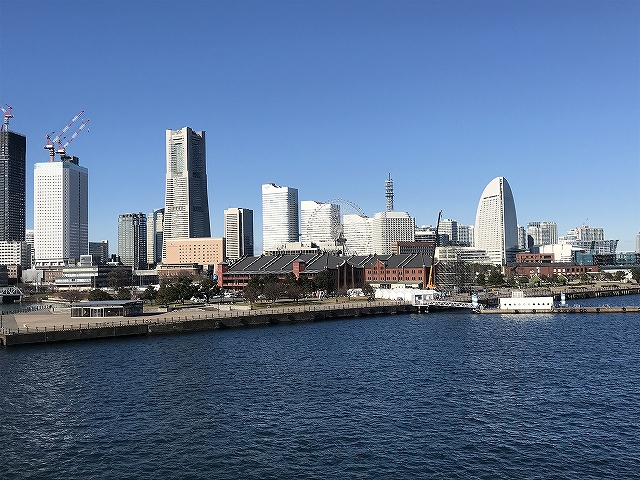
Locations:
column 431, row 283
column 7, row 115
column 51, row 142
column 62, row 148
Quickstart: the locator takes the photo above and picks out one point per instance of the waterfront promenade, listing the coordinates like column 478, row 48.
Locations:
column 55, row 325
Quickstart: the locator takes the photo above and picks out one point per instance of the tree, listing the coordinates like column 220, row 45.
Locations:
column 167, row 294
column 98, row 295
column 620, row 275
column 368, row 290
column 123, row 293
column 495, row 277
column 294, row 291
column 252, row 290
column 324, row 281
column 273, row 290
column 635, row 274
column 149, row 293
column 185, row 288
column 208, row 288
column 72, row 295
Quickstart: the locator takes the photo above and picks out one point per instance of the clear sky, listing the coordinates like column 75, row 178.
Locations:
column 332, row 96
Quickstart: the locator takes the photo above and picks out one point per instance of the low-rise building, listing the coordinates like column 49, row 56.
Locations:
column 203, row 251
column 346, row 273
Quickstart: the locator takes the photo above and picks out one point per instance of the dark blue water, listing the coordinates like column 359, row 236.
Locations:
column 407, row 396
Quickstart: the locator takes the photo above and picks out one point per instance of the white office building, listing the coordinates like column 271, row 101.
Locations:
column 589, row 239
column 541, row 233
column 279, row 216
column 238, row 232
column 392, row 227
column 358, row 234
column 61, row 212
column 496, row 229
column 186, row 206
column 319, row 223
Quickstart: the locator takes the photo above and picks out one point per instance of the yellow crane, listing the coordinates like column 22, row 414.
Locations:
column 431, row 283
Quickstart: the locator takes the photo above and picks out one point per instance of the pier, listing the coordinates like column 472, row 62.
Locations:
column 560, row 310
column 38, row 328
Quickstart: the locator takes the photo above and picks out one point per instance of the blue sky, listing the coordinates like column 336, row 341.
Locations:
column 332, row 96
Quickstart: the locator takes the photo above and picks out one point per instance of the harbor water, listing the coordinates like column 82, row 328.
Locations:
column 442, row 395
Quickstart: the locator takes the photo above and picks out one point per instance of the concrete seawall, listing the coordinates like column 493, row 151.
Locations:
column 135, row 326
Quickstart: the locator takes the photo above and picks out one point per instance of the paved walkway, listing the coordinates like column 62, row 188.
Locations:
column 60, row 317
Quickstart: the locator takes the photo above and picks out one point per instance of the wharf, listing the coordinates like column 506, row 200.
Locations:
column 47, row 327
column 633, row 309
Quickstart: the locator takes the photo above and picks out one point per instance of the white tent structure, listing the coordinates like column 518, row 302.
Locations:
column 413, row 295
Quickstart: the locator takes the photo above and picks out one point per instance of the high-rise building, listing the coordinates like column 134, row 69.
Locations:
column 638, row 243
column 13, row 148
column 238, row 232
column 465, row 235
column 30, row 239
column 279, row 216
column 541, row 233
column 392, row 227
column 358, row 234
column 186, row 209
column 319, row 223
column 496, row 229
column 449, row 228
column 132, row 240
column 99, row 251
column 60, row 212
column 154, row 236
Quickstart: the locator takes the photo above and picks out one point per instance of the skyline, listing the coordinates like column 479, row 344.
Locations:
column 331, row 97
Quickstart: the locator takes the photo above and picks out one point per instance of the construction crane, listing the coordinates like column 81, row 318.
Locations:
column 7, row 115
column 51, row 143
column 62, row 148
column 431, row 283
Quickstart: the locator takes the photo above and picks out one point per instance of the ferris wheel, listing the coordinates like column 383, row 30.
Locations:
column 334, row 228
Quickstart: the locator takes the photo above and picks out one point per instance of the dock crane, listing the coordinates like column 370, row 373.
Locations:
column 7, row 115
column 431, row 283
column 51, row 143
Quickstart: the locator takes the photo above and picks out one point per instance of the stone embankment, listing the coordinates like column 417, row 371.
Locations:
column 34, row 329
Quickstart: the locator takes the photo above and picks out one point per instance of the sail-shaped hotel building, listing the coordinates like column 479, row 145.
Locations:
column 496, row 229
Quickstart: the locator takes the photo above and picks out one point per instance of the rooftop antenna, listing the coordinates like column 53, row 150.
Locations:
column 389, row 193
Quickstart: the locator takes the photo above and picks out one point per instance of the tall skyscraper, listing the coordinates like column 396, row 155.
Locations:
column 392, row 227
column 186, row 209
column 319, row 223
column 154, row 236
column 13, row 149
column 279, row 216
column 638, row 243
column 496, row 230
column 132, row 240
column 358, row 234
column 238, row 232
column 60, row 212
